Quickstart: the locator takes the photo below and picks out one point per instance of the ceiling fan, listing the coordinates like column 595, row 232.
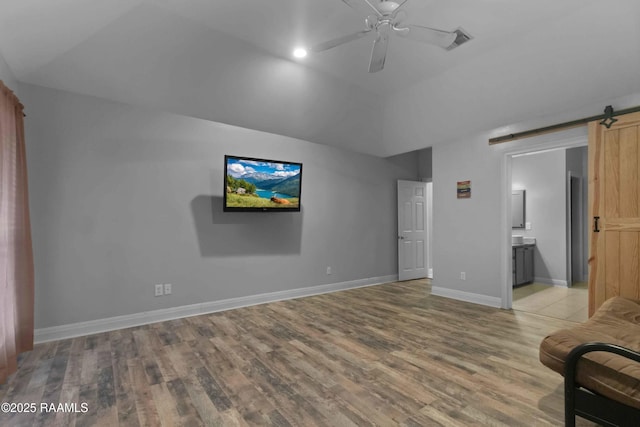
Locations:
column 386, row 17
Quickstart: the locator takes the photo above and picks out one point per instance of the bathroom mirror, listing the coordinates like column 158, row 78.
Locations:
column 517, row 208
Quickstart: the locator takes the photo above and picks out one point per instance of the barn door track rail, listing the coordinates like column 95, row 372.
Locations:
column 606, row 119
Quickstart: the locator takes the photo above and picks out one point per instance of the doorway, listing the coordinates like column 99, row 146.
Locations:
column 555, row 207
column 578, row 250
column 414, row 245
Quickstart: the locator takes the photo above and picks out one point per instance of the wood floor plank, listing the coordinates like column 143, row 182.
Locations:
column 106, row 401
column 145, row 406
column 247, row 397
column 124, row 394
column 69, row 393
column 206, row 410
column 388, row 355
column 89, row 367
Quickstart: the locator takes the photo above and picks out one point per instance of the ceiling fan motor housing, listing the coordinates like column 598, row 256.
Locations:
column 386, row 7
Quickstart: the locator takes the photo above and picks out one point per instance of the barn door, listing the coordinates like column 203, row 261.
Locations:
column 614, row 194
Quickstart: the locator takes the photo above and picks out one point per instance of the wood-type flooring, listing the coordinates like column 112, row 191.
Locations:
column 382, row 355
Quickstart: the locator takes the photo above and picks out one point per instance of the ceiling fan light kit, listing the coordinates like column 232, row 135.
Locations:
column 388, row 18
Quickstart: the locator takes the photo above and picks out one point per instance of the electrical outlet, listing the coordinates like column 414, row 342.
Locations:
column 158, row 289
column 527, row 226
column 463, row 275
column 328, row 270
column 167, row 288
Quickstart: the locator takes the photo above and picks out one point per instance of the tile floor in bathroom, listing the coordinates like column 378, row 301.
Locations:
column 553, row 301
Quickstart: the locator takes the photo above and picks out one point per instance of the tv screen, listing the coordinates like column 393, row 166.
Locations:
column 253, row 184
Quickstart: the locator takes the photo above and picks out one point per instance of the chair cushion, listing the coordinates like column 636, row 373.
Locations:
column 617, row 321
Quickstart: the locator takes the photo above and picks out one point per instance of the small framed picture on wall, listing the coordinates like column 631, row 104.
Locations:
column 464, row 189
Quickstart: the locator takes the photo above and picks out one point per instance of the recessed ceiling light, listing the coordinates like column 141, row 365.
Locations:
column 300, row 52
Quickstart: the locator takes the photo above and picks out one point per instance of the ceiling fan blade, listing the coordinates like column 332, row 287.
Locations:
column 419, row 33
column 339, row 40
column 379, row 51
column 363, row 5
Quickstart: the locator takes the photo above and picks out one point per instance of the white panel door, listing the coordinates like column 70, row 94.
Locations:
column 412, row 230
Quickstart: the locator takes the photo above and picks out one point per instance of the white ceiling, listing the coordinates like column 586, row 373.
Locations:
column 229, row 61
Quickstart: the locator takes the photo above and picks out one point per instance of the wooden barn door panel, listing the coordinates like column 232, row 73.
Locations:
column 614, row 194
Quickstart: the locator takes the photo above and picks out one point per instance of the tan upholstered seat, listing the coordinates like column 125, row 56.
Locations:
column 617, row 321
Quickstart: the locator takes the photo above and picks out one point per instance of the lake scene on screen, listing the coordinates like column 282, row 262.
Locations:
column 258, row 184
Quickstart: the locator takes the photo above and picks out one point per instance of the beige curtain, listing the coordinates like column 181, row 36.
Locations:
column 16, row 257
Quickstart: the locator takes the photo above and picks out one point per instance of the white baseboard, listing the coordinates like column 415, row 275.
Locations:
column 120, row 322
column 548, row 281
column 467, row 296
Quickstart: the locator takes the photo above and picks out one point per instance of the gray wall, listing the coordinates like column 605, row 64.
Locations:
column 466, row 232
column 543, row 177
column 124, row 197
column 425, row 164
column 576, row 161
column 7, row 76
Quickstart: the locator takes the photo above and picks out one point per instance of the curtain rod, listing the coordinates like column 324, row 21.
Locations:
column 607, row 116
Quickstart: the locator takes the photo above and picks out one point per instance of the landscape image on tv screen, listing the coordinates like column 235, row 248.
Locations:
column 261, row 185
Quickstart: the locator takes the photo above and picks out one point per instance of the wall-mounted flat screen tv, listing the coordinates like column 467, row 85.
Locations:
column 253, row 184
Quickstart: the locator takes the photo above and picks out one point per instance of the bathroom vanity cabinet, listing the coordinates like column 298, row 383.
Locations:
column 522, row 263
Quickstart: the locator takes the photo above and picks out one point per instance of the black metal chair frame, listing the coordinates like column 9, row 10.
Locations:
column 586, row 404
